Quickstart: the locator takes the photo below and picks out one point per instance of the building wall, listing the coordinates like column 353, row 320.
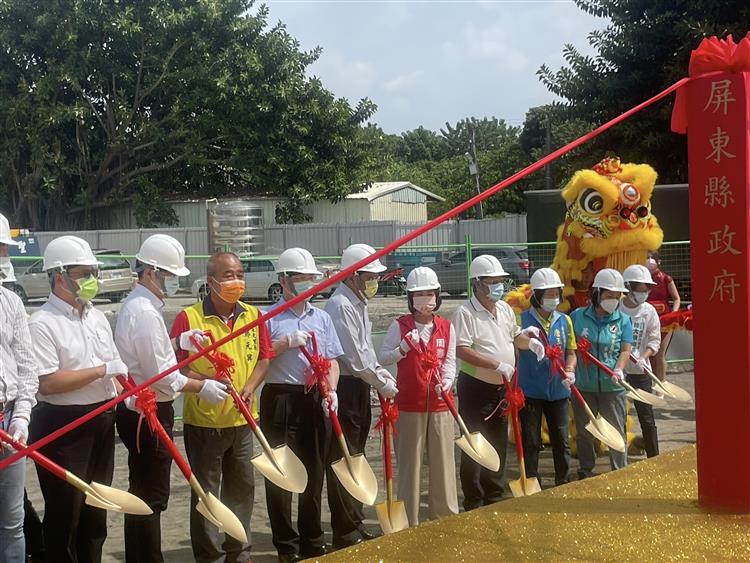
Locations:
column 345, row 211
column 381, row 209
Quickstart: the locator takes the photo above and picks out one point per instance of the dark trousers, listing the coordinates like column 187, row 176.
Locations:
column 646, row 415
column 556, row 414
column 289, row 415
column 74, row 531
column 220, row 460
column 32, row 530
column 476, row 400
column 150, row 465
column 355, row 416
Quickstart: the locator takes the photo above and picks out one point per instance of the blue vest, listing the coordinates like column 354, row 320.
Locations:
column 537, row 379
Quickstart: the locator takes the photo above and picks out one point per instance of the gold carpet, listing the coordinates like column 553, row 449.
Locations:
column 645, row 512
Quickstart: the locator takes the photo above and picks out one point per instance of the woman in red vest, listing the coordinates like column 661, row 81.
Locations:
column 424, row 420
column 665, row 298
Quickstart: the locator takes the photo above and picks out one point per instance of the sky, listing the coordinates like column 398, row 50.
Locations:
column 427, row 62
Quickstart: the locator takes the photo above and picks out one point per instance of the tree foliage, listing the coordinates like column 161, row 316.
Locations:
column 145, row 100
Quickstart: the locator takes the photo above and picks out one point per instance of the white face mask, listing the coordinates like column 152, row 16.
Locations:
column 171, row 286
column 6, row 270
column 550, row 305
column 640, row 297
column 496, row 291
column 652, row 265
column 609, row 305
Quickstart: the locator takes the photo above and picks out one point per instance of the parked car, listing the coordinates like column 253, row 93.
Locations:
column 261, row 282
column 116, row 279
column 452, row 270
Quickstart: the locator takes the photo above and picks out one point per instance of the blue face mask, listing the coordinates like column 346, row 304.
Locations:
column 496, row 291
column 301, row 287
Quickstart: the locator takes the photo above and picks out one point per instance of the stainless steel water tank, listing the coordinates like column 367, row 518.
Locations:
column 236, row 226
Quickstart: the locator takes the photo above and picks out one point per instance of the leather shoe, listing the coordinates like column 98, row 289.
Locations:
column 344, row 543
column 315, row 551
column 289, row 558
column 369, row 533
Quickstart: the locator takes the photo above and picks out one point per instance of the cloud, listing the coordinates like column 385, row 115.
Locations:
column 350, row 78
column 403, row 81
column 492, row 43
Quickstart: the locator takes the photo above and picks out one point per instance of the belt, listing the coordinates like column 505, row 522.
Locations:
column 291, row 387
column 5, row 407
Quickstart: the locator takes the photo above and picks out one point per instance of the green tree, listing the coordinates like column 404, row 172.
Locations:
column 644, row 49
column 103, row 102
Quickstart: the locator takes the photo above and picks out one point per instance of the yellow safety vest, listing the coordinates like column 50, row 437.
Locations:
column 243, row 350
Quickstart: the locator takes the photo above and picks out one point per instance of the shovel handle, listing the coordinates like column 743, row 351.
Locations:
column 387, row 459
column 38, row 458
column 164, row 438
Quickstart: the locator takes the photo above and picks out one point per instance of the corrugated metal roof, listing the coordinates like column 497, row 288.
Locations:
column 379, row 189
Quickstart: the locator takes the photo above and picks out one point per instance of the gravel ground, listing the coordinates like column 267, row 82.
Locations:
column 676, row 425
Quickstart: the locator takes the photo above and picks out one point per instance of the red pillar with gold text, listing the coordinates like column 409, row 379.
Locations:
column 717, row 108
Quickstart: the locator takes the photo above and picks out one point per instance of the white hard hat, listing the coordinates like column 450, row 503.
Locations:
column 637, row 274
column 297, row 261
column 68, row 251
column 5, row 237
column 545, row 278
column 422, row 278
column 356, row 252
column 163, row 252
column 486, row 265
column 610, row 280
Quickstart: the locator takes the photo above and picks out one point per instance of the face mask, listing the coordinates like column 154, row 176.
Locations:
column 171, row 286
column 301, row 287
column 87, row 289
column 609, row 305
column 424, row 304
column 371, row 289
column 550, row 305
column 652, row 265
column 6, row 270
column 496, row 291
column 640, row 297
column 231, row 291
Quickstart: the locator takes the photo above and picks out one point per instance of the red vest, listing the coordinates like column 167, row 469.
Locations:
column 415, row 393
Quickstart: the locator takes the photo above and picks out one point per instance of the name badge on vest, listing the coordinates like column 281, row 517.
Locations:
column 440, row 345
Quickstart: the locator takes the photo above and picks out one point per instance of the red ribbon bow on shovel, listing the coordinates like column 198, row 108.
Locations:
column 388, row 416
column 319, row 368
column 145, row 402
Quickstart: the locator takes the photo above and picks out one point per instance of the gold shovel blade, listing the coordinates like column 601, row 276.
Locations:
column 677, row 392
column 293, row 475
column 358, row 480
column 127, row 502
column 525, row 487
column 392, row 516
column 648, row 398
column 220, row 516
column 480, row 450
column 605, row 432
column 93, row 499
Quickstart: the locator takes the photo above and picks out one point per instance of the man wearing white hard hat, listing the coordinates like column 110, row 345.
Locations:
column 487, row 337
column 646, row 344
column 547, row 394
column 359, row 369
column 218, row 440
column 611, row 335
column 144, row 345
column 291, row 414
column 18, row 386
column 424, row 422
column 78, row 362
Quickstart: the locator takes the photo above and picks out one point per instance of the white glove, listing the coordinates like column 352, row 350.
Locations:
column 19, row 429
column 114, row 367
column 297, row 338
column 213, row 391
column 617, row 375
column 385, row 375
column 570, row 379
column 129, row 403
column 531, row 332
column 186, row 342
column 538, row 348
column 411, row 336
column 388, row 390
column 334, row 404
column 444, row 387
column 506, row 370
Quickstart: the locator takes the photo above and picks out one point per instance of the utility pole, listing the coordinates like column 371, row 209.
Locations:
column 547, row 150
column 474, row 169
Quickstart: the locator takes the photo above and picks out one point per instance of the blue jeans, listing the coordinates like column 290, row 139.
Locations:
column 12, row 542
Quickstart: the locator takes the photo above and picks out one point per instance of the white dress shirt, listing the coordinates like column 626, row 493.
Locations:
column 63, row 339
column 490, row 334
column 19, row 375
column 144, row 344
